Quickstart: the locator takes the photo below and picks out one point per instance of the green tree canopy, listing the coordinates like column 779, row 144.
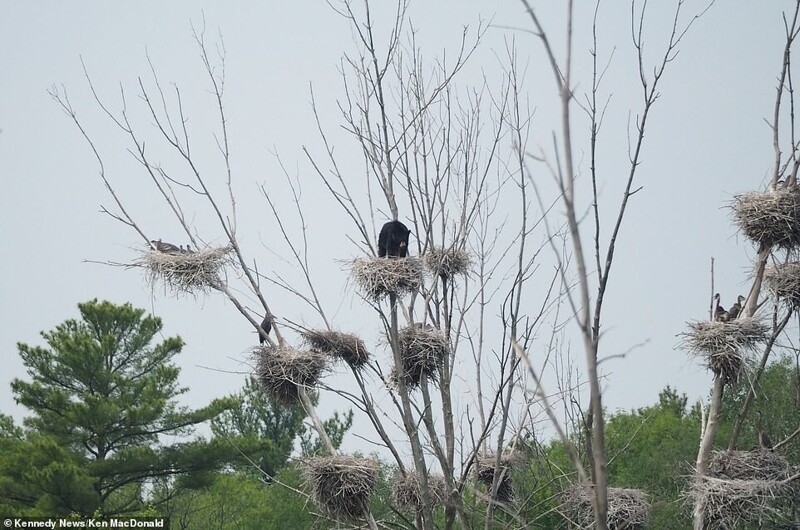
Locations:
column 101, row 395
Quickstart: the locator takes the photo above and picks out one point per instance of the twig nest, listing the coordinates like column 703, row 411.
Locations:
column 485, row 469
column 345, row 346
column 447, row 262
column 281, row 371
column 423, row 350
column 627, row 508
column 187, row 271
column 746, row 487
column 407, row 493
column 341, row 485
column 722, row 346
column 784, row 282
column 377, row 277
column 770, row 218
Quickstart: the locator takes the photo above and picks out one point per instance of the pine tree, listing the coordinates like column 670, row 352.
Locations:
column 104, row 395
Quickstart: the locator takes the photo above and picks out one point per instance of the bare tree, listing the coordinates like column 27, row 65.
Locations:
column 782, row 182
column 594, row 274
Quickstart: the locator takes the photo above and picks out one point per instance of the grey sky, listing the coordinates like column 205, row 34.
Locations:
column 706, row 141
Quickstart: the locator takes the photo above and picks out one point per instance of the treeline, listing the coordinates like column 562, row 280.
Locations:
column 106, row 436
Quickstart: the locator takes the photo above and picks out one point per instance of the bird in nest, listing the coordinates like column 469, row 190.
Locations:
column 163, row 246
column 736, row 308
column 720, row 315
column 763, row 438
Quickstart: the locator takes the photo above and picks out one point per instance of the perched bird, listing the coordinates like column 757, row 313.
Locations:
column 720, row 315
column 736, row 308
column 162, row 246
column 189, row 249
column 763, row 438
column 266, row 470
column 266, row 325
column 393, row 240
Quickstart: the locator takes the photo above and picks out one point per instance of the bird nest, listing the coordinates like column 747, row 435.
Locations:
column 423, row 350
column 746, row 486
column 485, row 469
column 378, row 277
column 784, row 282
column 185, row 271
column 771, row 218
column 407, row 493
column 627, row 508
column 447, row 262
column 722, row 346
column 283, row 370
column 341, row 485
column 345, row 346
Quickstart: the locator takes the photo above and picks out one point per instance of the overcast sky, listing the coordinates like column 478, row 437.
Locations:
column 706, row 141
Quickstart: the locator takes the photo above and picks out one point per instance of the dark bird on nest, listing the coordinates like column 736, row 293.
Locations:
column 162, row 246
column 266, row 325
column 393, row 240
column 720, row 315
column 763, row 437
column 266, row 470
column 189, row 248
column 736, row 308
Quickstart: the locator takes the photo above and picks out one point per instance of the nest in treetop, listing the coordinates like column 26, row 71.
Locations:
column 722, row 346
column 341, row 485
column 187, row 271
column 407, row 494
column 485, row 470
column 345, row 346
column 771, row 218
column 282, row 371
column 746, row 487
column 447, row 262
column 423, row 350
column 377, row 277
column 627, row 508
column 784, row 282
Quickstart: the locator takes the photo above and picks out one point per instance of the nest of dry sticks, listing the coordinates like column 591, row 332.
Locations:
column 187, row 271
column 485, row 469
column 407, row 493
column 341, row 485
column 283, row 370
column 447, row 262
column 746, row 486
column 378, row 277
column 423, row 350
column 345, row 346
column 722, row 346
column 784, row 282
column 627, row 508
column 771, row 218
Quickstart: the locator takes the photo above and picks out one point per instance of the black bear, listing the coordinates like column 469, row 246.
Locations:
column 393, row 240
column 266, row 325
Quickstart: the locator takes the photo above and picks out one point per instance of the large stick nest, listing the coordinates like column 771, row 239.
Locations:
column 485, row 469
column 407, row 493
column 345, row 346
column 722, row 346
column 784, row 282
column 423, row 350
column 447, row 262
column 341, row 485
column 185, row 271
column 378, row 277
column 282, row 371
column 628, row 509
column 771, row 218
column 746, row 486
